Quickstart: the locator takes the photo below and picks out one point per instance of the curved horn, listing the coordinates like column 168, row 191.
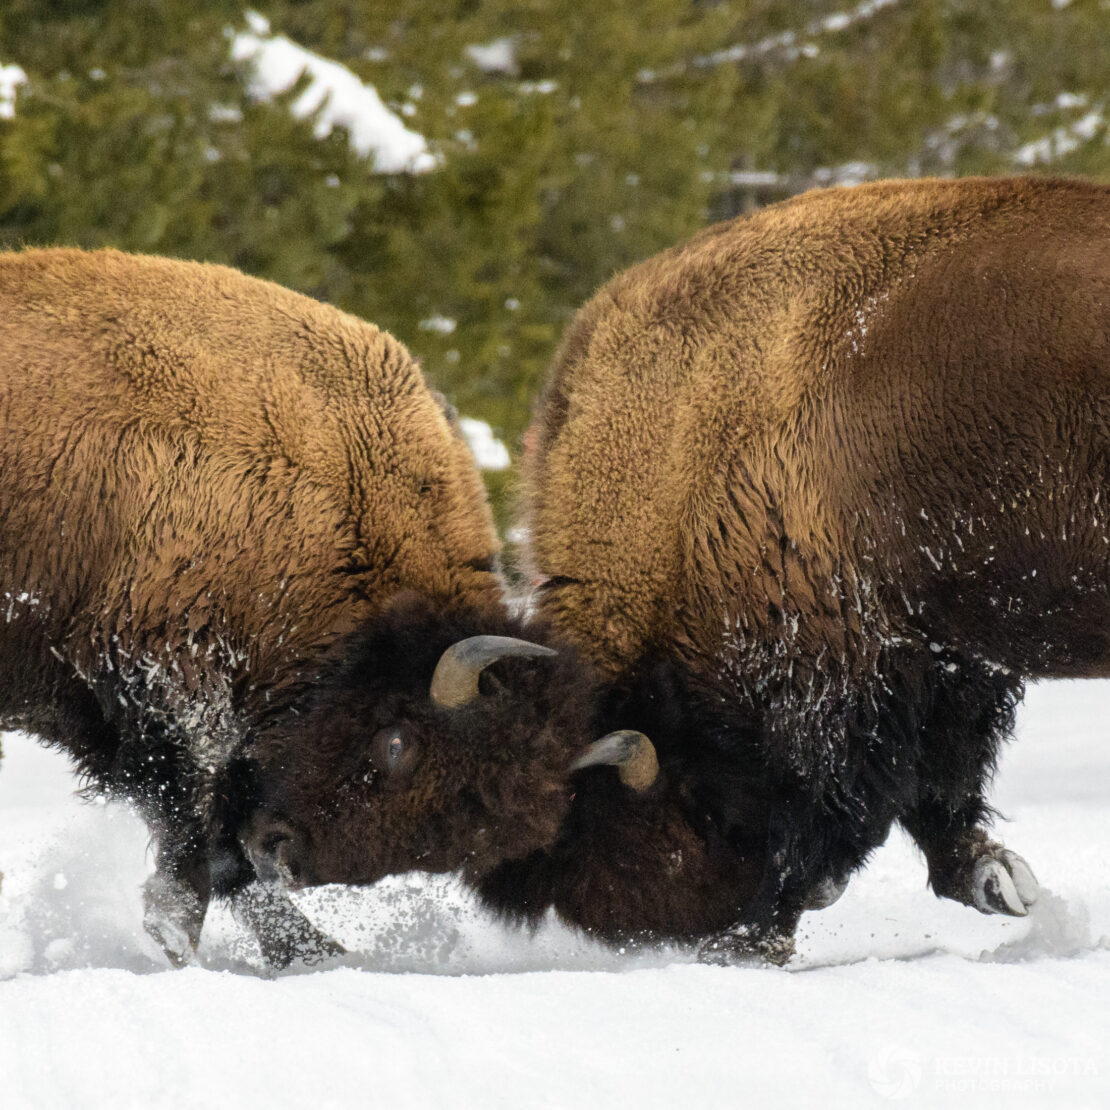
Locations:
column 455, row 681
column 632, row 752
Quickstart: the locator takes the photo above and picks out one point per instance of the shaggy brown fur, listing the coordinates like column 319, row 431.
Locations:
column 813, row 493
column 842, row 468
column 205, row 480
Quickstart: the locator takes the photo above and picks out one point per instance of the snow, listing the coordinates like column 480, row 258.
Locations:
column 540, row 88
column 11, row 77
column 894, row 995
column 498, row 56
column 787, row 41
column 1062, row 140
column 340, row 98
column 1067, row 100
column 441, row 325
column 489, row 452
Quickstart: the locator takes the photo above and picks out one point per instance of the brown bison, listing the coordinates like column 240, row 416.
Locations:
column 205, row 480
column 810, row 496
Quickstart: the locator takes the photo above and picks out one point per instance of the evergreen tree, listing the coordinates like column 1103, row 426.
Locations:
column 570, row 140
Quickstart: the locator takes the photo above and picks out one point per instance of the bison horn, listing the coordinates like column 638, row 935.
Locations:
column 632, row 752
column 455, row 681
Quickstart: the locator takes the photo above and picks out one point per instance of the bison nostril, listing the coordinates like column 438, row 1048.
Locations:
column 271, row 846
column 270, row 843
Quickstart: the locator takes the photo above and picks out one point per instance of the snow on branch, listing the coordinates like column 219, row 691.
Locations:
column 489, row 452
column 1063, row 140
column 787, row 184
column 791, row 44
column 11, row 77
column 498, row 56
column 335, row 93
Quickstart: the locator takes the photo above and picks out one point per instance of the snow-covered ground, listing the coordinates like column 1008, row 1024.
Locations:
column 895, row 996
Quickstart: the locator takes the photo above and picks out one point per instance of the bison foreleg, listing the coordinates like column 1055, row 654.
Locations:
column 766, row 935
column 971, row 713
column 764, row 932
column 283, row 932
column 175, row 900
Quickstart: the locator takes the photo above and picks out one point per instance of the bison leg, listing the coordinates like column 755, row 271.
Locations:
column 283, row 932
column 766, row 935
column 826, row 814
column 175, row 901
column 970, row 715
column 791, row 884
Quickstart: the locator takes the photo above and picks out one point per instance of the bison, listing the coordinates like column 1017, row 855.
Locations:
column 205, row 481
column 810, row 496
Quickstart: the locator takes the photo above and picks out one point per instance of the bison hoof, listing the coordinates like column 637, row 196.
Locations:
column 744, row 947
column 173, row 916
column 1004, row 883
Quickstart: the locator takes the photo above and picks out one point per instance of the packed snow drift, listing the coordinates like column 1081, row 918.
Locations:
column 893, row 995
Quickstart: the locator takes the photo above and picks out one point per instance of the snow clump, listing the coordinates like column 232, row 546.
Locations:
column 335, row 93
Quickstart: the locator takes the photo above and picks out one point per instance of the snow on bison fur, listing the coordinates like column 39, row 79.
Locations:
column 205, row 480
column 812, row 494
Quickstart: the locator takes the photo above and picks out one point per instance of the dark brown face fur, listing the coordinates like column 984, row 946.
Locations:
column 629, row 868
column 364, row 776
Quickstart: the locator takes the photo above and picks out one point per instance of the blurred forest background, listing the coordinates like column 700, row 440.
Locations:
column 562, row 140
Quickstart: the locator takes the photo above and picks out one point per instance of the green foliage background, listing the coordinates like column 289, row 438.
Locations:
column 623, row 127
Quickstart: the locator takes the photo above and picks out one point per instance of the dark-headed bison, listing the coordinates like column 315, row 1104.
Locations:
column 205, row 481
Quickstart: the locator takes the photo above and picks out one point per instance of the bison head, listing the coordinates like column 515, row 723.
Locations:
column 426, row 740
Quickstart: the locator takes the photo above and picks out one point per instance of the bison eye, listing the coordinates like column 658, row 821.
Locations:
column 394, row 749
column 391, row 751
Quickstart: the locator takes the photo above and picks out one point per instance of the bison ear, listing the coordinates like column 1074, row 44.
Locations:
column 631, row 752
column 455, row 682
